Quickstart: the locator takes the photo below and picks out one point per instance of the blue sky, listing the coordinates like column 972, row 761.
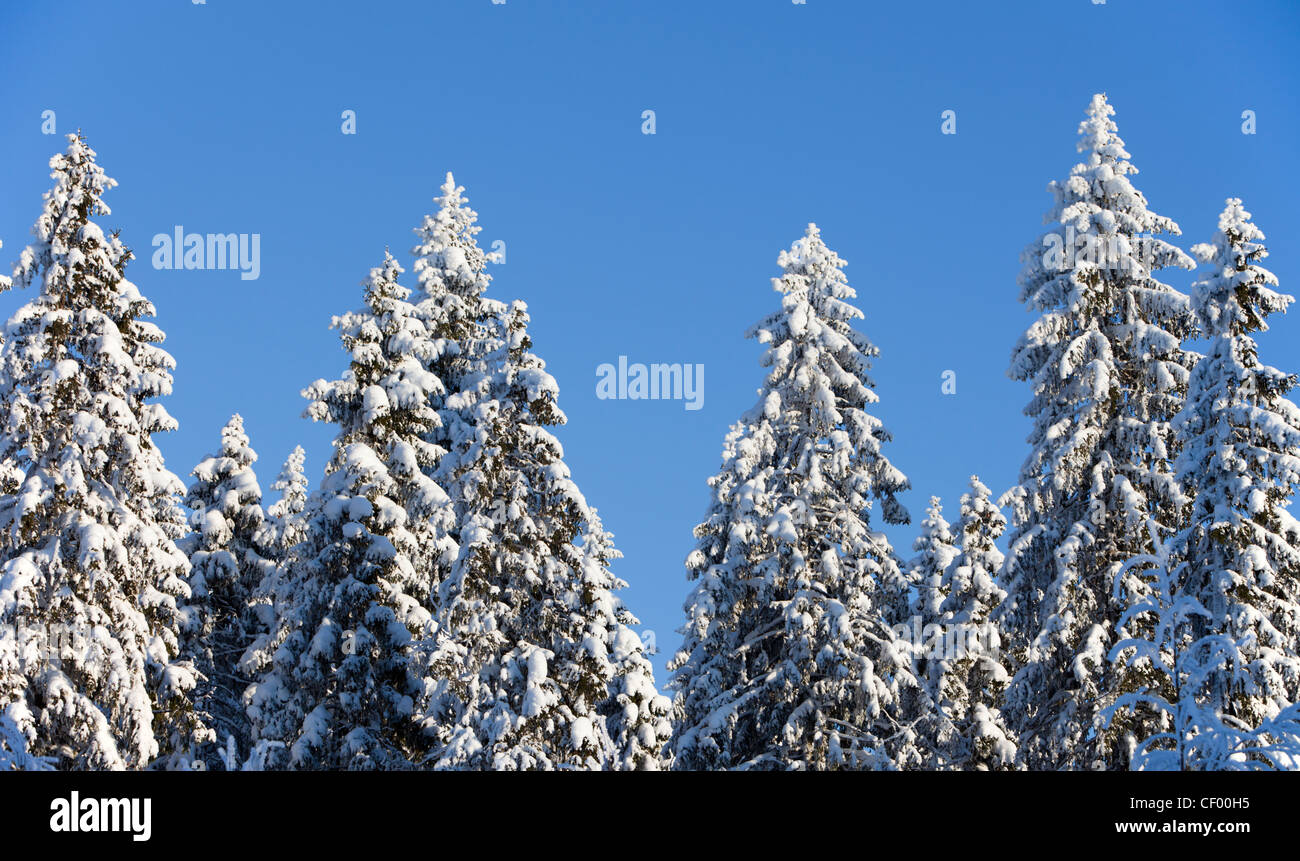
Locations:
column 226, row 117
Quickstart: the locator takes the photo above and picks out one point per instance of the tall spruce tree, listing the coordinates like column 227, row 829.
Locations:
column 93, row 586
column 789, row 660
column 228, row 564
column 1108, row 374
column 539, row 667
column 1241, row 458
column 342, row 678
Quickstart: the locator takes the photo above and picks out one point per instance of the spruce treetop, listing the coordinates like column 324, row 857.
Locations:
column 1238, row 294
column 448, row 258
column 291, row 484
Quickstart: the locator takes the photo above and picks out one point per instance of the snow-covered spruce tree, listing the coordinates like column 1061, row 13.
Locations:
column 789, row 660
column 1108, row 374
column 935, row 551
column 538, row 666
column 93, row 586
column 283, row 530
column 343, row 675
column 1241, row 458
column 959, row 664
column 284, row 524
column 228, row 564
column 975, row 682
column 1188, row 658
column 473, row 362
column 928, row 744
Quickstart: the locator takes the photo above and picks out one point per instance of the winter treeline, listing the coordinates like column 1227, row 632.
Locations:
column 1146, row 612
column 441, row 600
column 442, row 597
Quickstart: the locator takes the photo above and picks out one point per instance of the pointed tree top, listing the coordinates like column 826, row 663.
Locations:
column 979, row 511
column 1235, row 221
column 448, row 257
column 934, row 522
column 805, row 246
column 79, row 160
column 934, row 545
column 1238, row 242
column 77, row 152
column 380, row 285
column 290, row 481
column 1236, row 296
column 234, row 427
column 235, row 443
column 452, row 194
column 807, row 251
column 64, row 223
column 1099, row 136
column 387, row 271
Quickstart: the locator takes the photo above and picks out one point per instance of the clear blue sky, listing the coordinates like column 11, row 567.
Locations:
column 225, row 117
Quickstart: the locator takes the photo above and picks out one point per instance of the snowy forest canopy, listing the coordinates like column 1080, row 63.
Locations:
column 441, row 597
